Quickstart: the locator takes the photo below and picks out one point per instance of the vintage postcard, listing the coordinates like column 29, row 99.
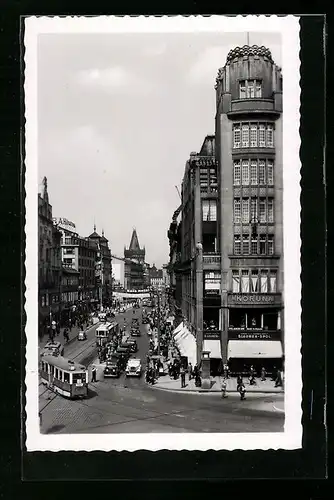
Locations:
column 162, row 180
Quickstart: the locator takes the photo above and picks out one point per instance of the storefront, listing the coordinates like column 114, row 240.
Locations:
column 186, row 344
column 212, row 344
column 254, row 332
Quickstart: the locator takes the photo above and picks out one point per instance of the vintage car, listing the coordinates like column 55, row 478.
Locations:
column 54, row 348
column 135, row 322
column 133, row 345
column 145, row 320
column 82, row 335
column 135, row 332
column 133, row 368
column 112, row 368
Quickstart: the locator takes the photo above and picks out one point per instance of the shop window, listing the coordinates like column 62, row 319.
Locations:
column 235, row 281
column 253, row 319
column 270, row 320
column 244, row 281
column 237, row 319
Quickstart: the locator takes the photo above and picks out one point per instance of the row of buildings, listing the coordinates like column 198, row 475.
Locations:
column 78, row 271
column 226, row 238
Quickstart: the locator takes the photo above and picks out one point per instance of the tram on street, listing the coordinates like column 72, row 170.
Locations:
column 64, row 376
column 106, row 332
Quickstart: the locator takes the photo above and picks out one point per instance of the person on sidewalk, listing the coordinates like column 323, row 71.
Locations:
column 93, row 373
column 183, row 377
column 190, row 371
column 242, row 391
column 223, row 388
column 263, row 374
column 66, row 335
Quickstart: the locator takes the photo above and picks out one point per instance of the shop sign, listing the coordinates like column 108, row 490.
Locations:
column 253, row 298
column 233, row 335
column 211, row 334
column 64, row 223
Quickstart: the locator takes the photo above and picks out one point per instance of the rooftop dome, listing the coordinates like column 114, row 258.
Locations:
column 247, row 50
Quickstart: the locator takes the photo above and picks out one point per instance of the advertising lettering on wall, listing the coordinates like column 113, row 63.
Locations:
column 253, row 298
column 235, row 335
column 211, row 286
column 64, row 223
column 211, row 334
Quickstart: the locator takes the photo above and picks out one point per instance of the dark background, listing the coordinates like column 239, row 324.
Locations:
column 217, row 472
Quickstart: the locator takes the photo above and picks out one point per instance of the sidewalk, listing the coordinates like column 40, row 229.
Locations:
column 60, row 338
column 168, row 384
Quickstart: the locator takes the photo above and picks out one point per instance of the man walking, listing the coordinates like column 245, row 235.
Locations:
column 183, row 377
column 93, row 373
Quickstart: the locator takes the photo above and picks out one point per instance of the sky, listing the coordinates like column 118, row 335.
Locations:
column 118, row 116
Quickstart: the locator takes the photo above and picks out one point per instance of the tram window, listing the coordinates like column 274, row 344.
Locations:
column 57, row 373
column 60, row 375
column 66, row 377
column 52, row 369
column 77, row 376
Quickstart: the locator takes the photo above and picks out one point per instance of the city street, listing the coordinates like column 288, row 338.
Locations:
column 130, row 405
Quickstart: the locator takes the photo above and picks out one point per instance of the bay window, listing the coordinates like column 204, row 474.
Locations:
column 270, row 136
column 245, row 210
column 245, row 244
column 270, row 244
column 237, row 244
column 237, row 210
column 245, row 172
column 236, row 136
column 262, row 173
column 253, row 172
column 270, row 210
column 262, row 136
column 253, row 135
column 245, row 136
column 237, row 173
column 262, row 209
column 270, row 173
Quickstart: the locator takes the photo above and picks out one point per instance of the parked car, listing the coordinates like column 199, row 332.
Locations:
column 54, row 348
column 135, row 322
column 135, row 332
column 82, row 335
column 133, row 368
column 145, row 321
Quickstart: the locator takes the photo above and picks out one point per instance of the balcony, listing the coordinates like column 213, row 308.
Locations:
column 211, row 261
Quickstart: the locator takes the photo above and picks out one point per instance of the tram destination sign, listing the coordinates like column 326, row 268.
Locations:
column 254, row 298
column 253, row 335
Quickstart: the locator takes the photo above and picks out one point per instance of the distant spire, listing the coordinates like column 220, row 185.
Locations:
column 134, row 243
column 45, row 191
column 94, row 227
column 102, row 232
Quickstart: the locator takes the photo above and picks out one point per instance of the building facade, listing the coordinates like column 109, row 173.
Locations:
column 156, row 277
column 49, row 262
column 134, row 269
column 232, row 219
column 103, row 270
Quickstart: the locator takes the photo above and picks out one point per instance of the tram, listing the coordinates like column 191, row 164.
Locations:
column 106, row 332
column 64, row 376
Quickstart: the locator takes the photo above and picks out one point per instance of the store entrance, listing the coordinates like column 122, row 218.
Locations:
column 241, row 366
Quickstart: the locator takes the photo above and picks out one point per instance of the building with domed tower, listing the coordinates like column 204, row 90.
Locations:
column 231, row 231
column 103, row 266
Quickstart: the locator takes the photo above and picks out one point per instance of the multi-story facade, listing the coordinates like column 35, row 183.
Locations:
column 49, row 261
column 156, row 277
column 104, row 259
column 232, row 219
column 134, row 269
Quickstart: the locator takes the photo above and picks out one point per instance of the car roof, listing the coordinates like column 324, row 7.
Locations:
column 134, row 360
column 52, row 344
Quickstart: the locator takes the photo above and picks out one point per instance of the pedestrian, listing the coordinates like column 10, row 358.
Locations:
column 183, row 377
column 190, row 371
column 223, row 388
column 66, row 336
column 242, row 392
column 263, row 374
column 278, row 382
column 58, row 328
column 226, row 371
column 239, row 382
column 93, row 373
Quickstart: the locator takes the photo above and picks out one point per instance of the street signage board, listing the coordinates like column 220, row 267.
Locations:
column 254, row 335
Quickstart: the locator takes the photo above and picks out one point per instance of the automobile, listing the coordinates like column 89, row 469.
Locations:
column 102, row 317
column 135, row 322
column 54, row 348
column 123, row 349
column 133, row 345
column 135, row 332
column 145, row 321
column 112, row 368
column 82, row 335
column 163, row 368
column 133, row 368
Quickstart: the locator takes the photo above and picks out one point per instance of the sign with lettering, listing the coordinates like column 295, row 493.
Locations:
column 211, row 334
column 62, row 222
column 254, row 298
column 254, row 335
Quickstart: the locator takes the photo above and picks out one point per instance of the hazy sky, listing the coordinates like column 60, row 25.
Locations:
column 118, row 115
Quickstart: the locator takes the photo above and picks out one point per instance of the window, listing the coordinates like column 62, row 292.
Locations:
column 245, row 172
column 237, row 245
column 262, row 244
column 245, row 244
column 250, row 89
column 253, row 172
column 235, row 282
column 213, row 177
column 203, row 177
column 262, row 210
column 262, row 174
column 66, row 377
column 253, row 209
column 245, row 210
column 270, row 136
column 270, row 244
column 68, row 240
column 245, row 136
column 254, row 281
column 258, row 88
column 270, row 210
column 242, row 89
column 253, row 135
column 236, row 136
column 270, row 173
column 272, row 277
column 262, row 136
column 254, row 246
column 237, row 173
column 264, row 281
column 209, row 210
column 43, row 301
column 244, row 281
column 237, row 210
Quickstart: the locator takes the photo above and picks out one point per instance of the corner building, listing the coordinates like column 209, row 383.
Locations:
column 232, row 220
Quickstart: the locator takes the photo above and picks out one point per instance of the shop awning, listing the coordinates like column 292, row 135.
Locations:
column 186, row 344
column 249, row 349
column 178, row 329
column 213, row 345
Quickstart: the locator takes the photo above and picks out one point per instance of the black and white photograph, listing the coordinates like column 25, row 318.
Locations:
column 162, row 230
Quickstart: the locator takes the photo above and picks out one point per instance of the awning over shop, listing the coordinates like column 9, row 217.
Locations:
column 178, row 329
column 213, row 345
column 249, row 349
column 186, row 344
